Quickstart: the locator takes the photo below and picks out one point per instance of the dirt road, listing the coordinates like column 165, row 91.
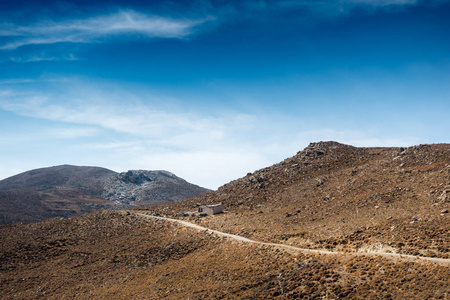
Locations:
column 294, row 250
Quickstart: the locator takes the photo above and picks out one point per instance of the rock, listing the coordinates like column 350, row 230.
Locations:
column 135, row 177
column 136, row 186
column 444, row 211
column 444, row 196
column 319, row 152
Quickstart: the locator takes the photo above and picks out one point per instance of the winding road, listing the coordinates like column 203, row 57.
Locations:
column 295, row 250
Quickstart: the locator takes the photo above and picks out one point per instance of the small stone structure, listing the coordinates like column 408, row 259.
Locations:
column 211, row 209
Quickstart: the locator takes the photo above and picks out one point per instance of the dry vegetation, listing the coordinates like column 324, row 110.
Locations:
column 112, row 255
column 329, row 196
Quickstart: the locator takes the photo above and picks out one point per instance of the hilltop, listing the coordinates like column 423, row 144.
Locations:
column 68, row 190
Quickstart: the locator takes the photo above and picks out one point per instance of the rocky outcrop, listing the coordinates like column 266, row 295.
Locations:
column 136, row 187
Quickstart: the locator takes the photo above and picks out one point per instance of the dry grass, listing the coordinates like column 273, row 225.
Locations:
column 112, row 255
column 346, row 198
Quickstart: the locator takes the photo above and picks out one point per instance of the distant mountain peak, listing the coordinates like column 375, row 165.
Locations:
column 67, row 190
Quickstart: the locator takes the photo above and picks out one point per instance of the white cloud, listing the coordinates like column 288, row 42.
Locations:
column 43, row 134
column 97, row 28
column 42, row 57
column 133, row 132
column 71, row 132
column 119, row 130
column 107, row 110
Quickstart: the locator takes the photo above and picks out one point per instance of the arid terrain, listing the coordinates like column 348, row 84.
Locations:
column 356, row 205
column 336, row 196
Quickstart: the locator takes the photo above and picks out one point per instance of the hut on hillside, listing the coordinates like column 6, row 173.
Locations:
column 211, row 209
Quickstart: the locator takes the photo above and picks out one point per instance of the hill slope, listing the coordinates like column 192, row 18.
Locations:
column 329, row 196
column 68, row 190
column 337, row 196
column 118, row 255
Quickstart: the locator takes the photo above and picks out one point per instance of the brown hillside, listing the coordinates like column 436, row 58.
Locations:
column 337, row 196
column 115, row 255
column 328, row 196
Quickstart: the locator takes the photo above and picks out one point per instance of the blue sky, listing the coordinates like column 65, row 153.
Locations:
column 211, row 90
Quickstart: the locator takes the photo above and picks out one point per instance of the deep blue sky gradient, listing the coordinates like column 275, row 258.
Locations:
column 252, row 83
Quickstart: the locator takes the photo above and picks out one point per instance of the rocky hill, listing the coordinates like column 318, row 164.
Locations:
column 70, row 190
column 336, row 196
column 357, row 205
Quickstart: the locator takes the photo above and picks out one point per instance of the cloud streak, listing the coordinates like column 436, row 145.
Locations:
column 133, row 23
column 98, row 28
column 37, row 58
column 325, row 9
column 95, row 126
column 206, row 149
column 140, row 116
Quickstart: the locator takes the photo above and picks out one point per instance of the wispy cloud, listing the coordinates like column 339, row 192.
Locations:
column 71, row 132
column 328, row 7
column 39, row 135
column 129, row 22
column 97, row 127
column 97, row 28
column 140, row 133
column 42, row 57
column 83, row 105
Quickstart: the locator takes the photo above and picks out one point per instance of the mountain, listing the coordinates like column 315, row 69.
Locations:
column 70, row 190
column 376, row 217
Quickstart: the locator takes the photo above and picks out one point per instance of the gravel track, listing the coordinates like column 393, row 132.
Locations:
column 294, row 250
